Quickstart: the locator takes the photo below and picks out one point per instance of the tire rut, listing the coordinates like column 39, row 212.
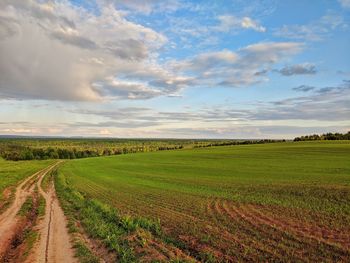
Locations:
column 54, row 244
column 9, row 219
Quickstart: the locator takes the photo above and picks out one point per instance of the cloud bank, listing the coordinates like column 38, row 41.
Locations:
column 58, row 51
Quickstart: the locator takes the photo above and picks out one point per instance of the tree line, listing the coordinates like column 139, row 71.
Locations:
column 27, row 153
column 326, row 136
column 71, row 148
column 16, row 151
column 245, row 142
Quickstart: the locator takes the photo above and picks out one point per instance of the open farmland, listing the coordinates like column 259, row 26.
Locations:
column 280, row 202
column 176, row 131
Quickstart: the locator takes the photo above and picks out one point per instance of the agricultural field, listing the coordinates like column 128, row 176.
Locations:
column 270, row 202
column 174, row 131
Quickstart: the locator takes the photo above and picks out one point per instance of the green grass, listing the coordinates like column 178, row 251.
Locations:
column 308, row 181
column 41, row 206
column 30, row 238
column 13, row 172
column 47, row 179
column 26, row 207
column 84, row 254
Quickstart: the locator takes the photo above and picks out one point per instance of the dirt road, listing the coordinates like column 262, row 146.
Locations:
column 8, row 219
column 54, row 243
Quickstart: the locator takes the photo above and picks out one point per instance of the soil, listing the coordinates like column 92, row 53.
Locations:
column 54, row 243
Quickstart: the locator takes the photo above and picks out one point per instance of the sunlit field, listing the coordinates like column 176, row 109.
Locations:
column 247, row 202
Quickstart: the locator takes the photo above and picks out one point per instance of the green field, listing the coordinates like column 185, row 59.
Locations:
column 250, row 202
column 12, row 172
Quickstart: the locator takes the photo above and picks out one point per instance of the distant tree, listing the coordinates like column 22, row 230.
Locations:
column 327, row 136
column 107, row 152
column 26, row 155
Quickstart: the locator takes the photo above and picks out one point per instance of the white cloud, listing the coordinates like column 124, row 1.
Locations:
column 320, row 110
column 206, row 61
column 231, row 23
column 58, row 51
column 115, row 88
column 236, row 69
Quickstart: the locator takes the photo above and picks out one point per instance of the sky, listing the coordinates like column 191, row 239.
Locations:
column 174, row 69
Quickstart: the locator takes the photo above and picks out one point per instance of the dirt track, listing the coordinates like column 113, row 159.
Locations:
column 54, row 243
column 8, row 219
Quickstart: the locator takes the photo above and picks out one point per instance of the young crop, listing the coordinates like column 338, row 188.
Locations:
column 242, row 203
column 103, row 222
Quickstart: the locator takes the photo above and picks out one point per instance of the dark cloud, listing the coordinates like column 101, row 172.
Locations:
column 75, row 40
column 261, row 72
column 304, row 88
column 344, row 87
column 131, row 49
column 324, row 104
column 8, row 27
column 15, row 123
column 300, row 69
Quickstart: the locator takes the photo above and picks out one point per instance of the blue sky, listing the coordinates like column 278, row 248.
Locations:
column 182, row 69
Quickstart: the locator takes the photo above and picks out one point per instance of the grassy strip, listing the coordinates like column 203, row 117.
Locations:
column 30, row 237
column 26, row 207
column 36, row 207
column 102, row 222
column 45, row 182
column 41, row 207
column 47, row 179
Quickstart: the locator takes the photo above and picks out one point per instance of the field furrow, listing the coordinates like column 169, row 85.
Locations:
column 228, row 204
